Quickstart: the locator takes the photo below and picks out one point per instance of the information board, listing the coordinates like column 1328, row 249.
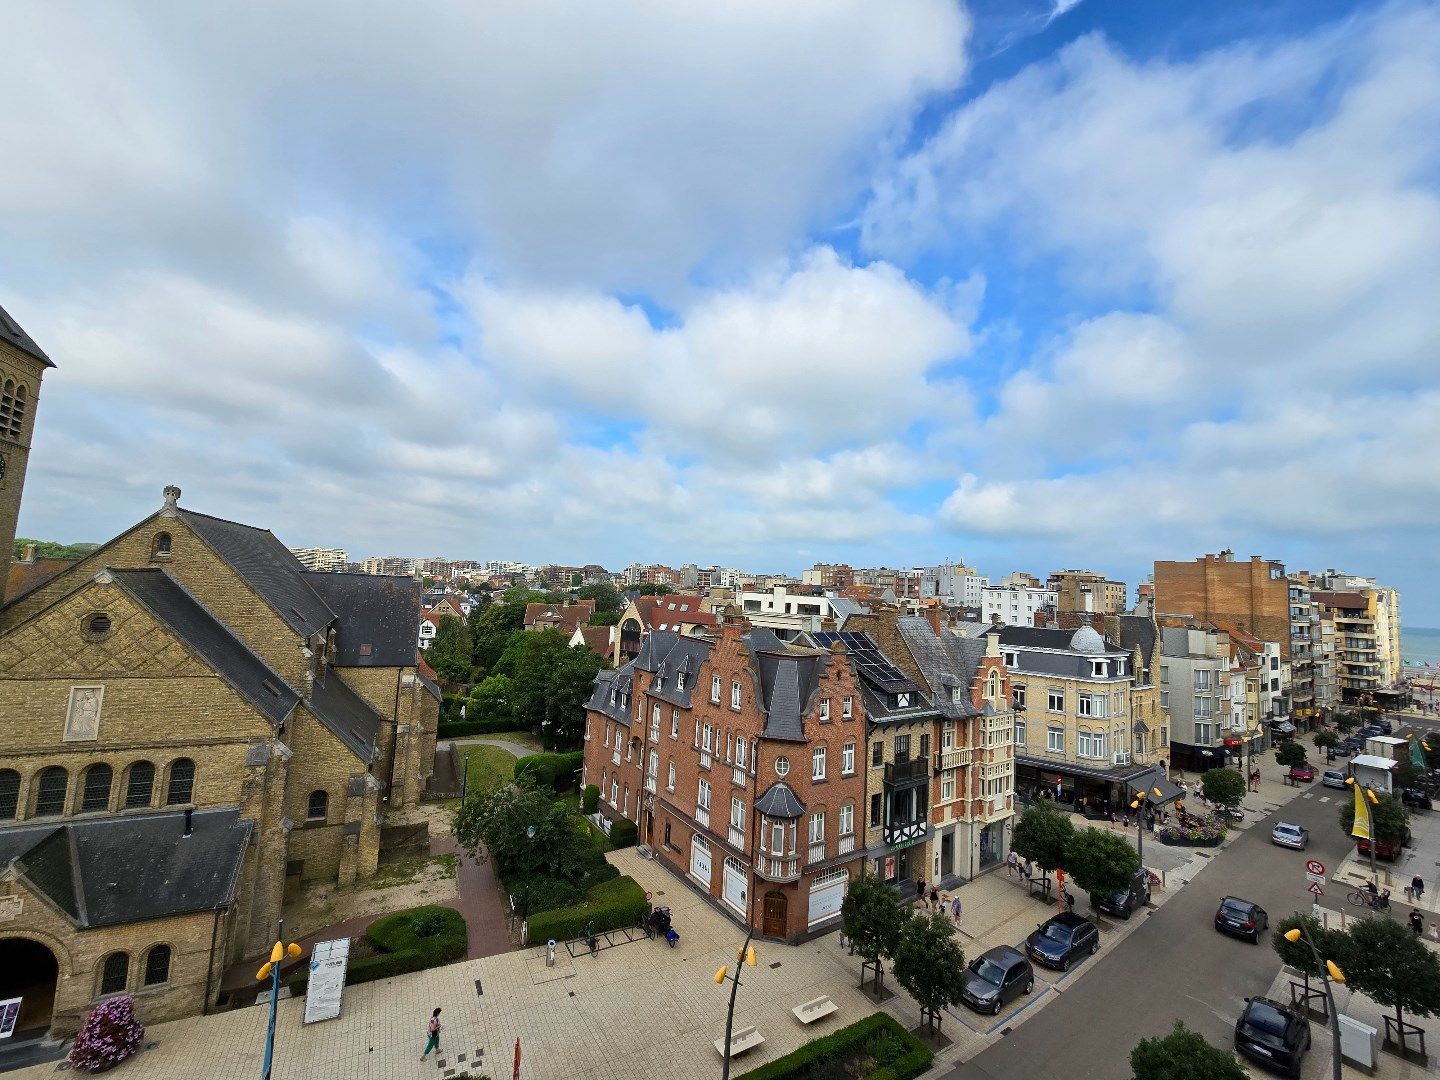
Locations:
column 328, row 964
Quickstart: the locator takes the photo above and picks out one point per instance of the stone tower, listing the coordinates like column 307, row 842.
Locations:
column 22, row 364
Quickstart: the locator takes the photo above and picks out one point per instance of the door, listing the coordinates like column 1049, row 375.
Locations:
column 776, row 915
column 947, row 854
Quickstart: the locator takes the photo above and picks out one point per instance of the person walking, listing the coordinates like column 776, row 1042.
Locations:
column 1012, row 863
column 934, row 898
column 955, row 909
column 433, row 1031
column 920, row 889
column 1417, row 886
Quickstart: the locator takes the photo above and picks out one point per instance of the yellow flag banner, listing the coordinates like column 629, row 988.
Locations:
column 1361, row 828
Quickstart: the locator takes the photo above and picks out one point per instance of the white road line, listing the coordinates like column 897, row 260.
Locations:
column 1324, row 798
column 1308, row 795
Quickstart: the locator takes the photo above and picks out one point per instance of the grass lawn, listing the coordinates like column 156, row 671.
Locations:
column 488, row 766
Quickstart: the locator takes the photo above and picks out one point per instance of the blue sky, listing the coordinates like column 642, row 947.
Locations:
column 1032, row 285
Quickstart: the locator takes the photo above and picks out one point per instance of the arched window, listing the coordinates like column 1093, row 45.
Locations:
column 182, row 782
column 160, row 546
column 96, row 789
column 139, row 785
column 114, row 973
column 50, row 791
column 9, row 794
column 318, row 806
column 157, row 965
column 12, row 408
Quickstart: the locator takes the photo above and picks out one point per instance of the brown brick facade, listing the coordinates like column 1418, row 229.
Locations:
column 1253, row 595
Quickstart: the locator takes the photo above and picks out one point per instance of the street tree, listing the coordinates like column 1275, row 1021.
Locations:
column 1101, row 862
column 1290, row 753
column 605, row 595
column 930, row 964
column 1326, row 738
column 1223, row 787
column 525, row 831
column 1391, row 966
column 1183, row 1055
column 1043, row 836
column 450, row 650
column 1330, row 944
column 1346, row 721
column 1388, row 817
column 870, row 917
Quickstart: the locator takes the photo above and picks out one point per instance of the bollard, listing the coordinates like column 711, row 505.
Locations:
column 550, row 953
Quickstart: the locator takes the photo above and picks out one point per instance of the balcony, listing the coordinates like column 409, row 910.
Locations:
column 902, row 832
column 777, row 868
column 952, row 759
column 910, row 773
column 704, row 759
column 702, row 815
column 737, row 776
column 736, row 838
column 650, row 784
column 815, row 853
column 847, row 845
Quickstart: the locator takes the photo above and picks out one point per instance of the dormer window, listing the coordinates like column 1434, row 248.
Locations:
column 1012, row 658
column 160, row 546
column 902, row 701
column 680, row 681
column 1100, row 668
column 957, row 695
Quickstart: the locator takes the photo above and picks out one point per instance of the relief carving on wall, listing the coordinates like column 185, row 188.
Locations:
column 82, row 719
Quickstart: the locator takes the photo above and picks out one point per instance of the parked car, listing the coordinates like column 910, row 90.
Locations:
column 1123, row 904
column 1354, row 744
column 1416, row 799
column 1242, row 918
column 996, row 978
column 1289, row 835
column 1383, row 849
column 1273, row 1034
column 1302, row 773
column 1383, row 727
column 1060, row 941
column 1369, row 731
column 1343, row 749
column 1333, row 778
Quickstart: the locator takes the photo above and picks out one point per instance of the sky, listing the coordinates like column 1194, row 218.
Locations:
column 1026, row 284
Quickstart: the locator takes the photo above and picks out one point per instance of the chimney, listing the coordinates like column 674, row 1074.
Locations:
column 27, row 554
column 934, row 616
column 189, row 821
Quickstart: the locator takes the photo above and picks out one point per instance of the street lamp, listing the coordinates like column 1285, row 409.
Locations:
column 1330, row 972
column 271, row 971
column 746, row 955
column 1139, row 807
column 1371, row 839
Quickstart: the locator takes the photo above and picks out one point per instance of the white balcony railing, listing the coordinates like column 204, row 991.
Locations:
column 778, row 869
column 816, row 853
column 650, row 784
column 952, row 759
column 702, row 815
column 737, row 776
column 615, row 758
column 847, row 844
column 737, row 838
column 705, row 759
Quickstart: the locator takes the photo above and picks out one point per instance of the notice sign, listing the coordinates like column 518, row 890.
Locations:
column 328, row 963
column 9, row 1016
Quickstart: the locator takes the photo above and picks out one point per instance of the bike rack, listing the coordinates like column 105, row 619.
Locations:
column 607, row 940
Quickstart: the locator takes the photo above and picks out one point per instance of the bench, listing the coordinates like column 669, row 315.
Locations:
column 741, row 1041
column 818, row 1009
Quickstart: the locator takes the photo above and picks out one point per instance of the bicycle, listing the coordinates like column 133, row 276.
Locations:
column 590, row 939
column 1364, row 898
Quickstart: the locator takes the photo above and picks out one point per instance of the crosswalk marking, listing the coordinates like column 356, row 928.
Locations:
column 1324, row 798
column 1308, row 795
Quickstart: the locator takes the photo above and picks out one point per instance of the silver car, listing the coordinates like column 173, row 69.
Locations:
column 1291, row 836
column 1333, row 778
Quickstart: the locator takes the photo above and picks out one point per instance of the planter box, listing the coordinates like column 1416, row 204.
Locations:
column 1182, row 841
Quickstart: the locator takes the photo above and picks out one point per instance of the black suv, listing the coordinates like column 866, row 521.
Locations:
column 1275, row 1034
column 1058, row 942
column 996, row 978
column 1416, row 799
column 1243, row 918
column 1123, row 904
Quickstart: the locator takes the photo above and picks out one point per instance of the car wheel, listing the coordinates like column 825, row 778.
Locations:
column 1094, row 946
column 1030, row 986
column 1255, row 940
column 995, row 1009
column 1065, row 964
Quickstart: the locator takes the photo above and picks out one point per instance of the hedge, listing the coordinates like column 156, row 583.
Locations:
column 590, row 799
column 458, row 729
column 623, row 834
column 554, row 771
column 799, row 1064
column 411, row 940
column 611, row 905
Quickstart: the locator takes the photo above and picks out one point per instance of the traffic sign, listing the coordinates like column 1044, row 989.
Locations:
column 1316, row 889
column 1315, row 879
column 1314, row 866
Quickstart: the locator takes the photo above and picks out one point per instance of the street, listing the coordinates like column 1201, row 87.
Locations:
column 1175, row 966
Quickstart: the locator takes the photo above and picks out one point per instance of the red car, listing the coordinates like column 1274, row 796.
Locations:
column 1302, row 773
column 1388, row 852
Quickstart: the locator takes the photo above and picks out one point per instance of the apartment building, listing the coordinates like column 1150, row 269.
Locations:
column 1204, row 696
column 1358, row 671
column 1303, row 643
column 955, row 583
column 830, row 576
column 1085, row 590
column 738, row 758
column 1014, row 605
column 322, row 560
column 1252, row 595
column 787, row 610
column 388, row 566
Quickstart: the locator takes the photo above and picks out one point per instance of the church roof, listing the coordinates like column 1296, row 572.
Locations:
column 12, row 334
column 378, row 616
column 348, row 716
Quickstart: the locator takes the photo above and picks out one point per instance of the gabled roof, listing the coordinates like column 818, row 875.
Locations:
column 125, row 868
column 346, row 714
column 230, row 658
column 11, row 333
column 947, row 661
column 25, row 577
column 377, row 615
column 1138, row 632
column 267, row 566
column 787, row 680
column 620, row 680
column 667, row 654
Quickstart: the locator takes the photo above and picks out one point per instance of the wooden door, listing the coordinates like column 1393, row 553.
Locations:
column 775, row 915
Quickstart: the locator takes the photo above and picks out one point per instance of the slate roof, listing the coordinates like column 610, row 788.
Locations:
column 25, row 577
column 378, row 617
column 12, row 333
column 125, row 868
column 230, row 658
column 1047, row 651
column 666, row 654
column 779, row 801
column 348, row 716
column 1138, row 631
column 267, row 566
column 620, row 680
column 788, row 680
column 947, row 661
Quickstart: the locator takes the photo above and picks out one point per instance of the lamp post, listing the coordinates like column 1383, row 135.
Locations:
column 271, row 971
column 1329, row 972
column 746, row 955
column 1370, row 839
column 1138, row 805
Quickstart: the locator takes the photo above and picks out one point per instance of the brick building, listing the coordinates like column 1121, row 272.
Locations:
column 1253, row 595
column 191, row 725
column 738, row 760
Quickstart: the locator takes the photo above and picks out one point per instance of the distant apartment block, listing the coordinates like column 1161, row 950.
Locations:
column 954, row 583
column 325, row 560
column 1085, row 590
column 388, row 566
column 1013, row 605
column 1253, row 595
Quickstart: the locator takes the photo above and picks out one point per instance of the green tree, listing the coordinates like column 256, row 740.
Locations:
column 491, row 629
column 605, row 595
column 1183, row 1055
column 526, row 832
column 1101, row 862
column 1326, row 738
column 1331, row 944
column 53, row 549
column 575, row 580
column 490, row 699
column 1290, row 753
column 1346, row 721
column 1391, row 966
column 1043, row 835
column 549, row 684
column 870, row 917
column 1388, row 816
column 450, row 650
column 649, row 589
column 1223, row 787
column 604, row 618
column 929, row 963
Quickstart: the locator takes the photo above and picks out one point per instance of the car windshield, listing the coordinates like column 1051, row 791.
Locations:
column 988, row 970
column 1236, row 909
column 1056, row 932
column 1287, row 828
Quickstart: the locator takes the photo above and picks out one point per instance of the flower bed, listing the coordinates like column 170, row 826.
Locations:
column 413, row 940
column 1191, row 835
column 875, row 1048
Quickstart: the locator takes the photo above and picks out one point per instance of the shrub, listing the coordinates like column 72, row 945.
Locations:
column 610, row 904
column 550, row 772
column 623, row 834
column 110, row 1035
column 590, row 799
column 413, row 940
column 877, row 1032
column 459, row 729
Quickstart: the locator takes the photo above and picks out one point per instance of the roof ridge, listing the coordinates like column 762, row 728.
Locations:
column 224, row 521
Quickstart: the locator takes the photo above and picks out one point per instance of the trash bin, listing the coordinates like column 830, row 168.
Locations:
column 550, row 953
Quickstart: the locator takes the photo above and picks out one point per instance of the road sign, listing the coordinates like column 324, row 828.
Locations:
column 1314, row 866
column 1315, row 879
column 1316, row 889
